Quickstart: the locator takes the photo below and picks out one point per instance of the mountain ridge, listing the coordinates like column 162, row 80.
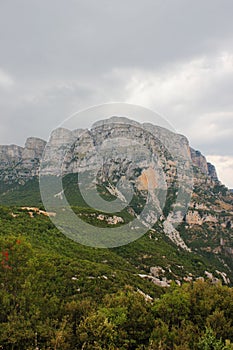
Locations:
column 205, row 231
column 13, row 155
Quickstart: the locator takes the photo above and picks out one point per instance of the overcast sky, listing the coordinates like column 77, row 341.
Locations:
column 173, row 56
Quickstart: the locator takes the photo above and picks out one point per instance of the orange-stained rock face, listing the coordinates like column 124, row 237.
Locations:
column 147, row 180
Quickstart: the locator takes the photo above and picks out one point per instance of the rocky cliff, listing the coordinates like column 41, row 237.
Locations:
column 200, row 161
column 21, row 163
column 17, row 164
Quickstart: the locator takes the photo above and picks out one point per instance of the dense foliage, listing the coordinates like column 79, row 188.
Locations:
column 42, row 306
column 56, row 294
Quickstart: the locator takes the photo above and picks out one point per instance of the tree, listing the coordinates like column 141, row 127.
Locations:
column 210, row 342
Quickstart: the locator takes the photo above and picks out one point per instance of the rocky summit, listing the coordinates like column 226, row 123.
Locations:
column 22, row 163
column 192, row 211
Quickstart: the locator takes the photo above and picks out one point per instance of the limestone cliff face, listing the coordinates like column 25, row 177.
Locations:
column 10, row 154
column 17, row 163
column 200, row 161
column 33, row 148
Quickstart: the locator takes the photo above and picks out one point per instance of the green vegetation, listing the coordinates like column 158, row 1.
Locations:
column 57, row 294
column 20, row 194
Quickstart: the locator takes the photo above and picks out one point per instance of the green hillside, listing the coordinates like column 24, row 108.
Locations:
column 61, row 295
column 58, row 294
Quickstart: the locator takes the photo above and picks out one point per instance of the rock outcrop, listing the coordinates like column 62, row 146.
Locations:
column 200, row 162
column 212, row 171
column 17, row 163
column 33, row 148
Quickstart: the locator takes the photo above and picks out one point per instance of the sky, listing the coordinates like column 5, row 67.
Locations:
column 172, row 56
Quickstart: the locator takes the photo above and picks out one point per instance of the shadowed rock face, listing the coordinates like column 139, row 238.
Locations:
column 212, row 171
column 200, row 161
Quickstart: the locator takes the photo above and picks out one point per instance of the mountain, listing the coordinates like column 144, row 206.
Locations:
column 18, row 164
column 188, row 227
column 119, row 182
